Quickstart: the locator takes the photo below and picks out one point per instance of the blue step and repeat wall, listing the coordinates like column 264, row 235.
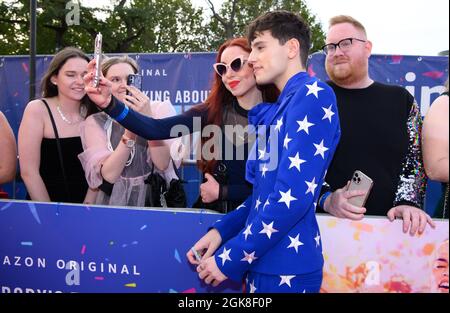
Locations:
column 185, row 79
column 54, row 247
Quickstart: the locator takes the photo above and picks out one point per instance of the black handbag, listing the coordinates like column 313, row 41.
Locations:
column 160, row 195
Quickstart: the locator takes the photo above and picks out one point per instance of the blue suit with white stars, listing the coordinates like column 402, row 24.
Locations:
column 275, row 230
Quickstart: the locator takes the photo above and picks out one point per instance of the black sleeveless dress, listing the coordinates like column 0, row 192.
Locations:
column 50, row 170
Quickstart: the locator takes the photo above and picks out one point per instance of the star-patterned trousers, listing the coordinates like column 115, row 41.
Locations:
column 263, row 283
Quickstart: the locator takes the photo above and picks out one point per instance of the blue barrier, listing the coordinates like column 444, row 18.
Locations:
column 55, row 247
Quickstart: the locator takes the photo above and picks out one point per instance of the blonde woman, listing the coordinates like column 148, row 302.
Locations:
column 115, row 160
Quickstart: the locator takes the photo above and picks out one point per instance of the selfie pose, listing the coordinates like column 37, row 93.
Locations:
column 116, row 161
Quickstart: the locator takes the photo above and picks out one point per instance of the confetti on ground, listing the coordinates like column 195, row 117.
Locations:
column 34, row 212
column 6, row 206
column 26, row 243
column 83, row 249
column 177, row 256
column 143, row 227
column 99, row 278
column 131, row 285
column 190, row 290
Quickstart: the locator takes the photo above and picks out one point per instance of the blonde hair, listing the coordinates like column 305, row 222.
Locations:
column 341, row 19
column 108, row 62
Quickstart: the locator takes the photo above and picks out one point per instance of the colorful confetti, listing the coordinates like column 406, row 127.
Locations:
column 131, row 285
column 34, row 212
column 83, row 249
column 26, row 243
column 99, row 278
column 177, row 256
column 143, row 227
column 6, row 206
column 433, row 74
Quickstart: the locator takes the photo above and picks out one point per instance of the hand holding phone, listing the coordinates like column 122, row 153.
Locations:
column 98, row 59
column 196, row 255
column 134, row 80
column 360, row 181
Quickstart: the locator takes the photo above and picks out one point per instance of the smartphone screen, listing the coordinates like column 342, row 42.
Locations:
column 134, row 80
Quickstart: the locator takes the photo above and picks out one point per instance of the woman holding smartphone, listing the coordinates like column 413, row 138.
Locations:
column 49, row 134
column 115, row 160
column 233, row 94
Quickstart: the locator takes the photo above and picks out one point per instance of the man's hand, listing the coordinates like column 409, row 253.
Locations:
column 337, row 204
column 209, row 191
column 210, row 273
column 414, row 218
column 101, row 95
column 209, row 242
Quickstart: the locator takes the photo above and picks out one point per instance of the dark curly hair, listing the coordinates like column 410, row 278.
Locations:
column 283, row 25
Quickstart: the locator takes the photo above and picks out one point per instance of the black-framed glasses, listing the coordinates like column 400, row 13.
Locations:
column 236, row 65
column 344, row 45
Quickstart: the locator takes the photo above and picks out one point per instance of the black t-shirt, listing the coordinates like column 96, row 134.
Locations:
column 374, row 140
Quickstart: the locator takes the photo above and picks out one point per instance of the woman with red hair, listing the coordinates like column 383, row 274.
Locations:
column 233, row 94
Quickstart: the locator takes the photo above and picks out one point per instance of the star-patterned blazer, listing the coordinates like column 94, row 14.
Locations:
column 275, row 230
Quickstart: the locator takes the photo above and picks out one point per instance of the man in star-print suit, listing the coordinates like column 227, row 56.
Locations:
column 273, row 240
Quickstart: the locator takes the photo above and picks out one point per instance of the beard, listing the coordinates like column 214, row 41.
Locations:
column 347, row 73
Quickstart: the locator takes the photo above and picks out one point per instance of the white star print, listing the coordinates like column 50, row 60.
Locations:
column 296, row 162
column 314, row 89
column 264, row 170
column 286, row 279
column 317, row 239
column 248, row 231
column 320, row 149
column 304, row 125
column 286, row 141
column 252, row 287
column 311, row 186
column 225, row 256
column 279, row 124
column 286, row 198
column 262, row 154
column 266, row 204
column 295, row 242
column 240, row 207
column 258, row 202
column 328, row 113
column 249, row 257
column 268, row 229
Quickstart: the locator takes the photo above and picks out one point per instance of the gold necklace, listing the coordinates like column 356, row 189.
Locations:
column 65, row 119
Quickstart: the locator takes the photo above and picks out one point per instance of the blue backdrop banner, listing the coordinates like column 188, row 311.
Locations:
column 185, row 80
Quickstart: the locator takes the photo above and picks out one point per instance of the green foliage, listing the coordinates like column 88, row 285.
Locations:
column 137, row 25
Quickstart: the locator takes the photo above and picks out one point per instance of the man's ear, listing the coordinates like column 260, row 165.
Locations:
column 368, row 47
column 293, row 46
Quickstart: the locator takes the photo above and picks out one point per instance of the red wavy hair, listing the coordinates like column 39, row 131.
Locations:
column 221, row 96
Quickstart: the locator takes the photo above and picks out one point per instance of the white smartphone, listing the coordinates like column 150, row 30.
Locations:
column 360, row 181
column 98, row 59
column 197, row 256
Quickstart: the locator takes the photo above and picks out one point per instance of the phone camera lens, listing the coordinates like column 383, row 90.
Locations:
column 356, row 175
